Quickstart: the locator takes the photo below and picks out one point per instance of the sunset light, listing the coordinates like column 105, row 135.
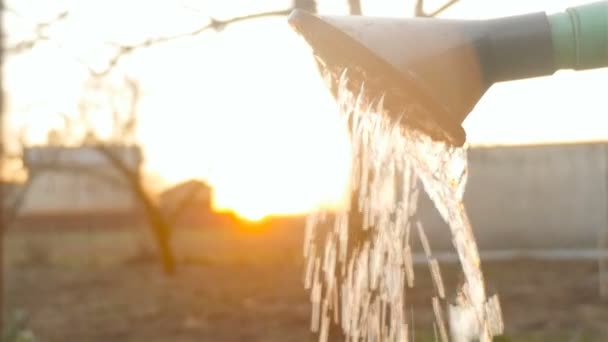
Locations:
column 245, row 110
column 265, row 147
column 299, row 170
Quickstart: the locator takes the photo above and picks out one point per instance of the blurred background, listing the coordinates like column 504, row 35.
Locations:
column 160, row 158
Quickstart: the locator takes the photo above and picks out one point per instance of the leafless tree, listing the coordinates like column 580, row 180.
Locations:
column 39, row 32
column 124, row 126
column 121, row 51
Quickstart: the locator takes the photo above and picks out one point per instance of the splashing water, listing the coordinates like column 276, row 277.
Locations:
column 359, row 262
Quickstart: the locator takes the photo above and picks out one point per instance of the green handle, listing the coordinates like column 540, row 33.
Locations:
column 580, row 36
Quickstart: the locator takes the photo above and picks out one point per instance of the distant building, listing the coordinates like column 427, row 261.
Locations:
column 531, row 197
column 189, row 204
column 78, row 186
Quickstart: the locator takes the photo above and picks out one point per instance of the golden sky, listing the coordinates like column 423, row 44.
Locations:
column 245, row 109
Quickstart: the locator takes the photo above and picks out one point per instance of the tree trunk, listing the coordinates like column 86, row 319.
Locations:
column 159, row 225
column 2, row 190
column 419, row 9
column 354, row 7
column 160, row 228
column 307, row 5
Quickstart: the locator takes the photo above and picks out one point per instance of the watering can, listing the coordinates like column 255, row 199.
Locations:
column 430, row 73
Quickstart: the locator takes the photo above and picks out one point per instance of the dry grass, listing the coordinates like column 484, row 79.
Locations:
column 247, row 286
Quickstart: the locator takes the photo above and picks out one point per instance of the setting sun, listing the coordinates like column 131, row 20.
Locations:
column 266, row 146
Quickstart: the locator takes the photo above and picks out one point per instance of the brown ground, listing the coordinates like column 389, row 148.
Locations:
column 103, row 286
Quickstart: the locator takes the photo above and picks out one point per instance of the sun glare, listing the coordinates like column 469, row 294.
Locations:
column 267, row 136
column 252, row 214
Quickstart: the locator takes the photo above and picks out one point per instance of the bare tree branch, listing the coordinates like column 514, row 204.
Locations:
column 420, row 12
column 40, row 33
column 123, row 51
column 125, row 123
column 214, row 24
column 124, row 128
column 157, row 221
column 442, row 8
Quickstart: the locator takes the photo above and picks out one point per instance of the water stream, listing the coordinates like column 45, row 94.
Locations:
column 359, row 263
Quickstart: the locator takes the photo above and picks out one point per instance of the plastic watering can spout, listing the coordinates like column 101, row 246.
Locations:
column 443, row 67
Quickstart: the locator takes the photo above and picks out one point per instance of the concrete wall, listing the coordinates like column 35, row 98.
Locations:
column 531, row 197
column 59, row 192
column 73, row 181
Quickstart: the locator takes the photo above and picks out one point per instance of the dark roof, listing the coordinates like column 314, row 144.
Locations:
column 194, row 189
